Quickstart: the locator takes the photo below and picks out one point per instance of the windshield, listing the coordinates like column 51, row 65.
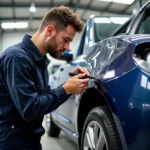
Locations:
column 105, row 26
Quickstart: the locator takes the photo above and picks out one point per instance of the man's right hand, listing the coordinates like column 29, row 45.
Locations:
column 76, row 85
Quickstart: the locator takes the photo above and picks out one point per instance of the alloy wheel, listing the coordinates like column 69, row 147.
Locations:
column 94, row 138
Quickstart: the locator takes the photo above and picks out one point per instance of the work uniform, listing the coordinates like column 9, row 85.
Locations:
column 25, row 96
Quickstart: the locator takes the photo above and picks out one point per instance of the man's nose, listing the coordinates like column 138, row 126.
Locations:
column 66, row 46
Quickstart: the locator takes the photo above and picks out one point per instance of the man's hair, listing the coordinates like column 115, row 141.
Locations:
column 61, row 17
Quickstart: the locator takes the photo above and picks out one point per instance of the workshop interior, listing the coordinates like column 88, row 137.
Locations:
column 113, row 113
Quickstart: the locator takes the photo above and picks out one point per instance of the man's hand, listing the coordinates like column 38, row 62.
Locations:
column 81, row 70
column 75, row 84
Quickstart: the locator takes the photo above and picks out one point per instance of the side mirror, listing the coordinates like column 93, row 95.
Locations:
column 67, row 55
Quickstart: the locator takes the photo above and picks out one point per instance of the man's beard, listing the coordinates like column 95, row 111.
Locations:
column 55, row 54
column 52, row 51
column 52, row 48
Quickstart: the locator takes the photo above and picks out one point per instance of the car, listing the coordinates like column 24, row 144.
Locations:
column 114, row 112
column 51, row 70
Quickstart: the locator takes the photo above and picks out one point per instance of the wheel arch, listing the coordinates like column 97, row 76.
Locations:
column 93, row 98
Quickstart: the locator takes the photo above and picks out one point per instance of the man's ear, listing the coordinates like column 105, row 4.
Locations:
column 50, row 30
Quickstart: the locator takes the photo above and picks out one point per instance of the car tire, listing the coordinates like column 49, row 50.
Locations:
column 99, row 131
column 51, row 128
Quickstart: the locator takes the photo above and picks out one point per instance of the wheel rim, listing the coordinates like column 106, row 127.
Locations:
column 94, row 138
column 48, row 118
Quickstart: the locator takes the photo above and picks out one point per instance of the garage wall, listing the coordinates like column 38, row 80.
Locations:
column 9, row 39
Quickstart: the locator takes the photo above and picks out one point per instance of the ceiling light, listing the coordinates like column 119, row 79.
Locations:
column 32, row 7
column 124, row 2
column 120, row 1
column 134, row 11
column 102, row 20
column 13, row 25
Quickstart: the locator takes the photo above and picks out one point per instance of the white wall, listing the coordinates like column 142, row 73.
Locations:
column 9, row 39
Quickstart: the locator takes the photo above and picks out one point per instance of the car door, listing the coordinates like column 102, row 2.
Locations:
column 66, row 111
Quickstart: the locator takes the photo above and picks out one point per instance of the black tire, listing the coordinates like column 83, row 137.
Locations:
column 51, row 128
column 100, row 127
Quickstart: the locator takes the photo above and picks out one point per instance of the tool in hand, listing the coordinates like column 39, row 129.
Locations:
column 73, row 74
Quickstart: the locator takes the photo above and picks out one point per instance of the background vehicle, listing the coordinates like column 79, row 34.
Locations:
column 51, row 70
column 114, row 112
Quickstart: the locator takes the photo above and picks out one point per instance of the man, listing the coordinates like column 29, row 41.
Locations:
column 25, row 96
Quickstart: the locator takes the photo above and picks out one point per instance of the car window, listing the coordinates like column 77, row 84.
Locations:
column 54, row 68
column 144, row 27
column 105, row 26
column 122, row 29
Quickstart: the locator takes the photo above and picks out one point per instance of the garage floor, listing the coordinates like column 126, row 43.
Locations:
column 60, row 143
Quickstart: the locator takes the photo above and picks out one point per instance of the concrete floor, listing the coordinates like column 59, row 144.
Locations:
column 60, row 143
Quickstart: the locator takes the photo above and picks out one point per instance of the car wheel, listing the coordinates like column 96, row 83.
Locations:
column 51, row 128
column 99, row 131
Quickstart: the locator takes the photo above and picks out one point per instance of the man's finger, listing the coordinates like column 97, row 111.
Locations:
column 80, row 75
column 85, row 81
column 80, row 69
column 85, row 87
column 86, row 71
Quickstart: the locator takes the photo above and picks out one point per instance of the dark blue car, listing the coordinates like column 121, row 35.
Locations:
column 114, row 113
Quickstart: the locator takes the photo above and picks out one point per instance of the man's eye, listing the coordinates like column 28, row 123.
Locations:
column 65, row 40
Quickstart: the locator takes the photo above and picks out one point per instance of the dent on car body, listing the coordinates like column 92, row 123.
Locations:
column 111, row 57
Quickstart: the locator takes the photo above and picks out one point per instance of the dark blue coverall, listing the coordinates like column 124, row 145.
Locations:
column 25, row 96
